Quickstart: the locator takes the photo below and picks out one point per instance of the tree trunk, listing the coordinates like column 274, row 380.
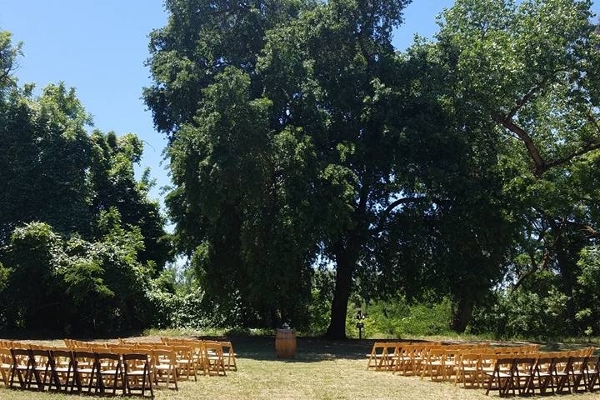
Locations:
column 346, row 260
column 565, row 267
column 567, row 279
column 462, row 314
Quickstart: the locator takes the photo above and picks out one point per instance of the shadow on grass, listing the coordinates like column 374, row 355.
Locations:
column 309, row 349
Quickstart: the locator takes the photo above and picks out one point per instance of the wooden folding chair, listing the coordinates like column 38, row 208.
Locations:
column 62, row 369
column 543, row 375
column 409, row 359
column 375, row 358
column 469, row 371
column 21, row 367
column 198, row 354
column 562, row 382
column 229, row 356
column 593, row 373
column 501, row 378
column 138, row 373
column 186, row 361
column 405, row 359
column 419, row 357
column 487, row 363
column 5, row 365
column 43, row 367
column 109, row 372
column 164, row 362
column 382, row 356
column 214, row 360
column 85, row 366
column 453, row 355
column 434, row 365
column 524, row 374
column 577, row 373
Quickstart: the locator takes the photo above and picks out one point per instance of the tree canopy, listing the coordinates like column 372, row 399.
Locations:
column 309, row 139
column 80, row 239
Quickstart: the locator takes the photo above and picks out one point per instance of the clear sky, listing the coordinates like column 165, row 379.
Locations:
column 99, row 47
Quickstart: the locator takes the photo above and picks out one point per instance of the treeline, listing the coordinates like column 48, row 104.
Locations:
column 317, row 171
column 82, row 246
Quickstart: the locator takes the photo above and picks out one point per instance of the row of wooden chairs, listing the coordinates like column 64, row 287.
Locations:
column 417, row 358
column 170, row 363
column 213, row 350
column 544, row 373
column 483, row 366
column 412, row 358
column 193, row 356
column 208, row 357
column 61, row 369
column 169, row 360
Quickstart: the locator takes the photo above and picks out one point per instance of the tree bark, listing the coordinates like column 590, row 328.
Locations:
column 462, row 314
column 346, row 257
column 566, row 273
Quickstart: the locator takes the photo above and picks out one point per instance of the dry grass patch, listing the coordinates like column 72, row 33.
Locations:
column 321, row 370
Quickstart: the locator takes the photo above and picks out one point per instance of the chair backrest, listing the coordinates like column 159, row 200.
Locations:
column 40, row 357
column 524, row 364
column 61, row 356
column 214, row 346
column 20, row 356
column 504, row 363
column 470, row 359
column 84, row 357
column 164, row 356
column 579, row 364
column 544, row 362
column 136, row 361
column 5, row 356
column 136, row 357
column 108, row 360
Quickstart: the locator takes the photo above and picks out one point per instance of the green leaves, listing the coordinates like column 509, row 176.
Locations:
column 8, row 59
column 298, row 132
column 72, row 215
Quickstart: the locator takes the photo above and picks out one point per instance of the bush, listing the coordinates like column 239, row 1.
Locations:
column 395, row 319
column 523, row 314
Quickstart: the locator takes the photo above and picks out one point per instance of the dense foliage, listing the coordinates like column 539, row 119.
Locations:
column 80, row 241
column 299, row 137
column 318, row 171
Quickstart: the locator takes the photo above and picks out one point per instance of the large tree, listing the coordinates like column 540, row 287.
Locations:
column 396, row 171
column 252, row 260
column 324, row 144
column 310, row 142
column 531, row 72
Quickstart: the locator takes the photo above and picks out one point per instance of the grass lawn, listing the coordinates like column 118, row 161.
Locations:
column 321, row 370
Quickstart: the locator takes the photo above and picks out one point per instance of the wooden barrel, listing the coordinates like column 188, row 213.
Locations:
column 285, row 343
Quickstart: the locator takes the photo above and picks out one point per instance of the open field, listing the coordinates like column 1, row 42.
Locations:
column 321, row 370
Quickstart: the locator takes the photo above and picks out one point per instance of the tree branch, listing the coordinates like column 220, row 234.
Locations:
column 534, row 153
column 543, row 265
column 592, row 119
column 388, row 210
column 586, row 149
column 523, row 100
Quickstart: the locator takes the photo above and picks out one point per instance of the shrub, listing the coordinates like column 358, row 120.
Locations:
column 395, row 319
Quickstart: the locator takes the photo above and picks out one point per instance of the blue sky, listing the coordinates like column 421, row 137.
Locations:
column 99, row 47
